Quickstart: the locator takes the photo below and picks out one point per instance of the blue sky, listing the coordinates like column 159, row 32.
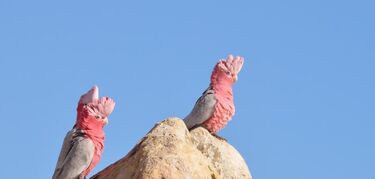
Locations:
column 304, row 99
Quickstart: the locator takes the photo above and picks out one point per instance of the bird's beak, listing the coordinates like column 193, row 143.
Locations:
column 105, row 121
column 235, row 78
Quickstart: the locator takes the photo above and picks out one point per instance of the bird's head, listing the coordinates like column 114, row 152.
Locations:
column 100, row 108
column 229, row 68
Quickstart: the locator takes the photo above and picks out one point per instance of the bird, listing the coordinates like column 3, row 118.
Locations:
column 84, row 144
column 215, row 107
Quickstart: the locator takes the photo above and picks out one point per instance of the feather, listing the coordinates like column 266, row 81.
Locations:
column 77, row 159
column 203, row 109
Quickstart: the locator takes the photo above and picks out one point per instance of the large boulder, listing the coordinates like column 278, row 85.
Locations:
column 170, row 151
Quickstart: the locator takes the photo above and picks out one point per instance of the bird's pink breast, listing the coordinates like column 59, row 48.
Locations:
column 224, row 109
column 96, row 158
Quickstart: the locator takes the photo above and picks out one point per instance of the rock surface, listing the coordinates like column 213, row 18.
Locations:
column 226, row 160
column 170, row 151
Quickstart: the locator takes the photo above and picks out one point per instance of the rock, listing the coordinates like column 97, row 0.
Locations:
column 225, row 158
column 170, row 151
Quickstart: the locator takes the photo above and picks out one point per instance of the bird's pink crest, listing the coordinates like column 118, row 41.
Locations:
column 90, row 96
column 105, row 106
column 231, row 65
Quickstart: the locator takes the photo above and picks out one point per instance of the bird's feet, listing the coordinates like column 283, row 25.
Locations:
column 218, row 137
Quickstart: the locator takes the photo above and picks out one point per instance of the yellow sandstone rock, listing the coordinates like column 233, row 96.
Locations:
column 170, row 151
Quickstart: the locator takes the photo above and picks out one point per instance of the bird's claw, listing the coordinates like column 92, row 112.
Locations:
column 218, row 137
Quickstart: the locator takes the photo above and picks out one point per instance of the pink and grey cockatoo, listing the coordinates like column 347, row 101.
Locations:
column 83, row 145
column 215, row 107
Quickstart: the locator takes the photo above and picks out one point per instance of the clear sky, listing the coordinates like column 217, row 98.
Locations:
column 304, row 99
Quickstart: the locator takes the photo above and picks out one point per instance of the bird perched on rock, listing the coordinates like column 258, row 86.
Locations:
column 83, row 145
column 215, row 107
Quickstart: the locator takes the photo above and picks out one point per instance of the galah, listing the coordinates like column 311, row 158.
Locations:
column 83, row 145
column 215, row 107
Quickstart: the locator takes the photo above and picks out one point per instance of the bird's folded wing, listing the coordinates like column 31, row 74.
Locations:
column 203, row 109
column 67, row 145
column 77, row 159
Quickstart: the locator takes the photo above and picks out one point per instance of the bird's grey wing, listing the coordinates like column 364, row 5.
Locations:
column 77, row 159
column 66, row 146
column 203, row 109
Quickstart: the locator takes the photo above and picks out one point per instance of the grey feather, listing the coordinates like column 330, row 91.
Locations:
column 65, row 147
column 76, row 155
column 203, row 109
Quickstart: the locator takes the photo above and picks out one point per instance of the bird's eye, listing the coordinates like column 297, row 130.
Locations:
column 228, row 72
column 98, row 117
